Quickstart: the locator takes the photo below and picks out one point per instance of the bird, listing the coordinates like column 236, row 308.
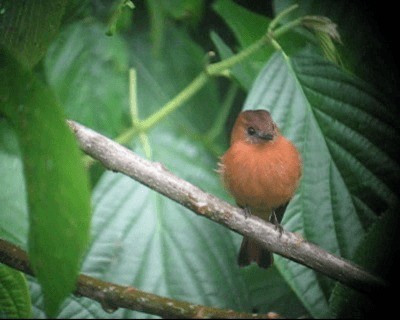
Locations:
column 261, row 170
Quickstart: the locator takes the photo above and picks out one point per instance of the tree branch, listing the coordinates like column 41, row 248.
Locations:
column 120, row 159
column 112, row 296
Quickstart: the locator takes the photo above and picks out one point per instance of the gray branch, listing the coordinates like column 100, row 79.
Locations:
column 152, row 174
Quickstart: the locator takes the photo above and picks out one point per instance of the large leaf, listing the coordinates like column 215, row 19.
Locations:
column 88, row 71
column 347, row 140
column 56, row 183
column 14, row 295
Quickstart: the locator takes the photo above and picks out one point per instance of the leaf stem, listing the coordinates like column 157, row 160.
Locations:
column 218, row 68
column 127, row 135
column 133, row 96
column 280, row 16
column 286, row 27
column 176, row 102
column 136, row 123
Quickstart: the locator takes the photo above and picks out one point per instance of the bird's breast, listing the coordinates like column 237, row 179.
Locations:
column 261, row 176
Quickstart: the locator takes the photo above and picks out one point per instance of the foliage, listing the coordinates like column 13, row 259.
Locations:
column 15, row 301
column 341, row 119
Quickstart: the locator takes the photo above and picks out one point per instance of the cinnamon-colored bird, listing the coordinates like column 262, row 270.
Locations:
column 261, row 169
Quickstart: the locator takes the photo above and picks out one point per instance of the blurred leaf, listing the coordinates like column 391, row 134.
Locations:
column 14, row 212
column 347, row 140
column 88, row 71
column 189, row 11
column 14, row 295
column 22, row 29
column 120, row 16
column 57, row 186
column 76, row 9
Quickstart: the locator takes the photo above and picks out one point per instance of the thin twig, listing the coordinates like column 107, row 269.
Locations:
column 112, row 296
column 120, row 159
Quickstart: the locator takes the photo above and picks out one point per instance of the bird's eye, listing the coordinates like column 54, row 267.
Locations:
column 251, row 131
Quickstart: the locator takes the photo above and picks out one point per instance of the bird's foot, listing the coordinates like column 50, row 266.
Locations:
column 274, row 220
column 246, row 212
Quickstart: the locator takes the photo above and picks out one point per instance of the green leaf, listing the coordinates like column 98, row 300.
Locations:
column 14, row 295
column 14, row 211
column 57, row 185
column 88, row 72
column 22, row 29
column 347, row 139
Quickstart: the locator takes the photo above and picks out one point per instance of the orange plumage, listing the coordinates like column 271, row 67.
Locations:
column 261, row 170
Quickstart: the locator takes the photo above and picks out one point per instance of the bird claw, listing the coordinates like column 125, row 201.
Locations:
column 273, row 219
column 279, row 228
column 246, row 212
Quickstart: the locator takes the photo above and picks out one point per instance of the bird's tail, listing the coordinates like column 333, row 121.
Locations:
column 251, row 251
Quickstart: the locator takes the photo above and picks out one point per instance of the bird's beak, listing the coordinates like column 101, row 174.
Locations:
column 266, row 136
